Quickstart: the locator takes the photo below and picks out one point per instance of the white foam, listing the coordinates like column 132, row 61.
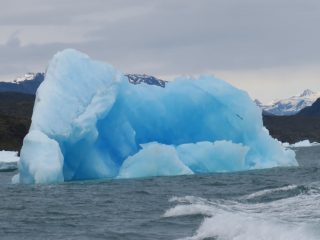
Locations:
column 185, row 210
column 188, row 199
column 235, row 226
column 293, row 218
column 270, row 191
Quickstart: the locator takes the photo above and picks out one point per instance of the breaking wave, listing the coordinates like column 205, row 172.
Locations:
column 295, row 217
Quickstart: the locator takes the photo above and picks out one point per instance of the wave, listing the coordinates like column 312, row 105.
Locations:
column 238, row 226
column 270, row 191
column 276, row 193
column 295, row 217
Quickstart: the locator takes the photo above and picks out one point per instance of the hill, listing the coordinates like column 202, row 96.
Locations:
column 313, row 110
column 28, row 83
column 293, row 128
column 15, row 118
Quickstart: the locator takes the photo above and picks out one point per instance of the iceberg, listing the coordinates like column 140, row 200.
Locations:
column 8, row 161
column 303, row 143
column 8, row 156
column 90, row 122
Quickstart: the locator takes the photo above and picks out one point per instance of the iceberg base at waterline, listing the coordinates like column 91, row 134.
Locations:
column 90, row 122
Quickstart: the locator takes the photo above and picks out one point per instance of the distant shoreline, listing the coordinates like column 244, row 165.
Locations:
column 16, row 112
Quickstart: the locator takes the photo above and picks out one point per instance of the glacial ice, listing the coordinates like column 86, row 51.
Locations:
column 89, row 122
column 8, row 160
column 303, row 143
column 220, row 156
column 156, row 160
column 8, row 156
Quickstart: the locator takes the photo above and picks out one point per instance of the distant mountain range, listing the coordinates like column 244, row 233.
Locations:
column 291, row 105
column 28, row 83
column 17, row 99
column 143, row 78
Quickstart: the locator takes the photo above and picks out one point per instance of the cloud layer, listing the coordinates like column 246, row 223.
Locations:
column 163, row 38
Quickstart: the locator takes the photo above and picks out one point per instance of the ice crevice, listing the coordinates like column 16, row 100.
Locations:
column 90, row 122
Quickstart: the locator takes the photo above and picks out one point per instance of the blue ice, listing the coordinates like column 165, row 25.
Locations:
column 89, row 122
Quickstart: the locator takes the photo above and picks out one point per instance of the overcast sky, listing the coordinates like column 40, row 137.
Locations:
column 270, row 48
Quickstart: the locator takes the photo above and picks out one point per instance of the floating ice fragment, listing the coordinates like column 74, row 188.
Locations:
column 8, row 160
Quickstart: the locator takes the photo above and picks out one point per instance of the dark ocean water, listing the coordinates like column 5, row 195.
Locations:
column 278, row 203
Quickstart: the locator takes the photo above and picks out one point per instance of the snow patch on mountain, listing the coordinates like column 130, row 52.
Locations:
column 291, row 105
column 26, row 77
column 27, row 83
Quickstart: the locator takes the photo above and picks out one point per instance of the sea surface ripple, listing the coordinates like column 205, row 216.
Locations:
column 278, row 203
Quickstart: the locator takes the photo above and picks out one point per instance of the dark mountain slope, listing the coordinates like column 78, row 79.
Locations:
column 293, row 128
column 12, row 132
column 16, row 111
column 16, row 104
column 26, row 84
column 15, row 118
column 313, row 110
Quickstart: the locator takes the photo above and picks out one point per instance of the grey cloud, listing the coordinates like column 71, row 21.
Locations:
column 60, row 12
column 174, row 37
column 220, row 35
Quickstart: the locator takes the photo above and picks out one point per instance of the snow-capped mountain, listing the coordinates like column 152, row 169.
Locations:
column 26, row 77
column 292, row 105
column 28, row 83
column 313, row 110
column 143, row 78
column 258, row 103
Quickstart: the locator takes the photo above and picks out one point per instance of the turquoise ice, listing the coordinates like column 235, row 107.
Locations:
column 89, row 122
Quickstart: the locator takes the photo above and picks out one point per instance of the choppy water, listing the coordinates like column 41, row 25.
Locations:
column 279, row 203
